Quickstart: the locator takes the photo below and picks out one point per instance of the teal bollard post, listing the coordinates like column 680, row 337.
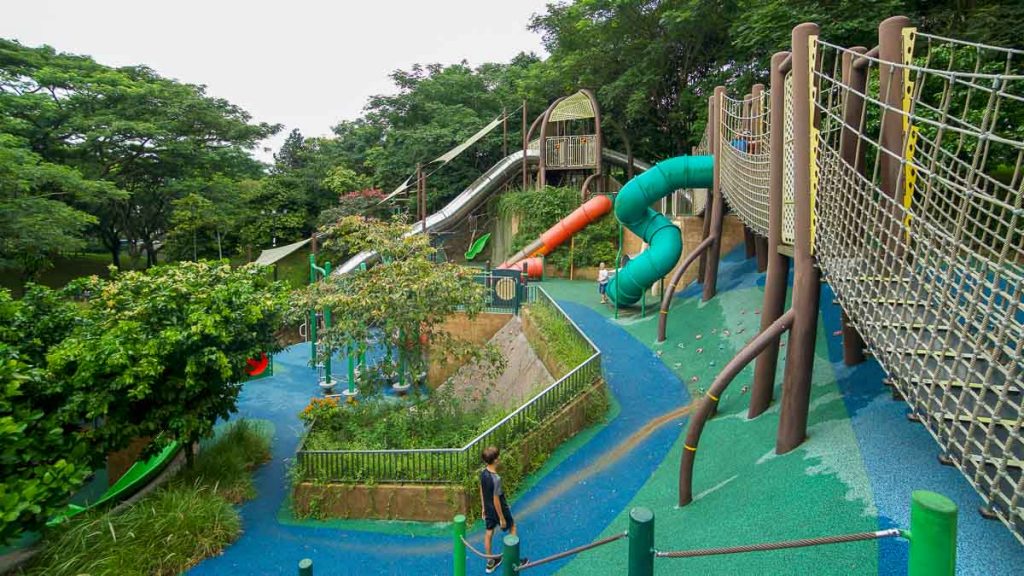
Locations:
column 305, row 567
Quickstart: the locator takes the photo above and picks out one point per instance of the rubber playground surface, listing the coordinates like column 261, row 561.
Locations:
column 855, row 473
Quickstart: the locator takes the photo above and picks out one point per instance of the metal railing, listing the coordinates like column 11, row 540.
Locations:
column 577, row 151
column 451, row 465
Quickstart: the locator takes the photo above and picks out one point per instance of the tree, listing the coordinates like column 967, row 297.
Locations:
column 42, row 459
column 161, row 353
column 127, row 127
column 44, row 452
column 419, row 295
column 37, row 220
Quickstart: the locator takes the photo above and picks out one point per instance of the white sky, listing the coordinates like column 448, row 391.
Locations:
column 301, row 63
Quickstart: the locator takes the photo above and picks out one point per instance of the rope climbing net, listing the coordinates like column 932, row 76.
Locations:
column 919, row 229
column 744, row 158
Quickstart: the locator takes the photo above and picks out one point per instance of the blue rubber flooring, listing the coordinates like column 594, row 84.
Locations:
column 583, row 506
column 901, row 456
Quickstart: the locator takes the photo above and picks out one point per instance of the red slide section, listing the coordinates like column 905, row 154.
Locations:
column 591, row 211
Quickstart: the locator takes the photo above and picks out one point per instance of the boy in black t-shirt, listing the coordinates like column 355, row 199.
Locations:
column 493, row 504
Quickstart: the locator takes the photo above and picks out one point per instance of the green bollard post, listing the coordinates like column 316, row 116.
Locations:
column 327, row 326
column 510, row 555
column 305, row 567
column 458, row 547
column 932, row 534
column 641, row 542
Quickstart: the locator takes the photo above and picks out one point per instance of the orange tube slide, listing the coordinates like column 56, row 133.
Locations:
column 589, row 212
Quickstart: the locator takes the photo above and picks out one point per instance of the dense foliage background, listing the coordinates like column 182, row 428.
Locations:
column 124, row 160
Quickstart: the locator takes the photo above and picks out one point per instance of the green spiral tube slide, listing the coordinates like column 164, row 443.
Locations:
column 665, row 245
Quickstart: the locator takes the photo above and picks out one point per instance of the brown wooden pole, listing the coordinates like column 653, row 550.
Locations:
column 890, row 49
column 777, row 278
column 707, row 405
column 761, row 253
column 806, row 284
column 709, row 198
column 855, row 78
column 718, row 210
column 748, row 242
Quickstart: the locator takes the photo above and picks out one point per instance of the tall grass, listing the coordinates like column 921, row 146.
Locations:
column 172, row 529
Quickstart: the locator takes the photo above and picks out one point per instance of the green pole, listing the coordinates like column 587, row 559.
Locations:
column 327, row 326
column 312, row 312
column 305, row 567
column 458, row 547
column 641, row 542
column 510, row 555
column 932, row 534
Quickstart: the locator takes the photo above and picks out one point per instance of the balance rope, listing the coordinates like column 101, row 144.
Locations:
column 891, row 533
column 571, row 551
column 477, row 552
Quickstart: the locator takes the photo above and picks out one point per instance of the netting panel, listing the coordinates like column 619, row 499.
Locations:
column 932, row 272
column 744, row 159
column 788, row 166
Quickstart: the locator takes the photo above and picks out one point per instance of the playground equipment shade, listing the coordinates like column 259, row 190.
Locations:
column 632, row 208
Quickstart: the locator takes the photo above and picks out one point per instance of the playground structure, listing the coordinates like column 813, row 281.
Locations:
column 878, row 172
column 893, row 174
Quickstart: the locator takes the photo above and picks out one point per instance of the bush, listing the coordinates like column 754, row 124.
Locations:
column 560, row 338
column 172, row 529
column 440, row 420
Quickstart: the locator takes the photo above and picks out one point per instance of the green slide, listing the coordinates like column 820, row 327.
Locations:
column 665, row 245
column 134, row 479
column 477, row 246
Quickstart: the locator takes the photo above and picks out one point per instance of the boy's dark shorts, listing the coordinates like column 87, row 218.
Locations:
column 491, row 521
column 601, row 287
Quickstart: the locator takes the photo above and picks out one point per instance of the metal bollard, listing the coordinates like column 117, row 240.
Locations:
column 305, row 567
column 932, row 535
column 641, row 542
column 458, row 546
column 510, row 555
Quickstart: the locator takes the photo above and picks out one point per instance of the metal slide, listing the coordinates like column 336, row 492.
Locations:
column 509, row 168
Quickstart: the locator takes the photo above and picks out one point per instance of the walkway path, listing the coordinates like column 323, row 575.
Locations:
column 587, row 485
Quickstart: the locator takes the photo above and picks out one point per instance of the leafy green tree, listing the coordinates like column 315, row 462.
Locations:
column 161, row 353
column 420, row 294
column 44, row 451
column 128, row 127
column 37, row 220
column 42, row 458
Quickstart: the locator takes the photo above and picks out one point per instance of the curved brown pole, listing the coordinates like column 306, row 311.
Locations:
column 710, row 401
column 670, row 291
column 585, row 189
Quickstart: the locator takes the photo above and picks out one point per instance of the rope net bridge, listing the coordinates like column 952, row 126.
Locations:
column 916, row 221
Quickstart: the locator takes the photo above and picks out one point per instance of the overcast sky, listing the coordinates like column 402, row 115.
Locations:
column 301, row 63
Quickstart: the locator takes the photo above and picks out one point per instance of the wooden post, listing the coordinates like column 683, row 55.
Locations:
column 718, row 210
column 806, row 283
column 890, row 84
column 776, row 280
column 709, row 200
